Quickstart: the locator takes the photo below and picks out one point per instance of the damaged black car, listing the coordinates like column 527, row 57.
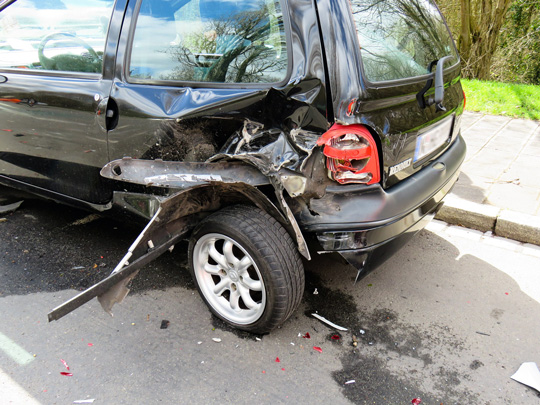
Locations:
column 262, row 131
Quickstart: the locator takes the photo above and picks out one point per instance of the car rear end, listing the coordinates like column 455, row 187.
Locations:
column 395, row 148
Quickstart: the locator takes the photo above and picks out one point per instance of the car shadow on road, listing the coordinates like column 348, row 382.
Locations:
column 50, row 247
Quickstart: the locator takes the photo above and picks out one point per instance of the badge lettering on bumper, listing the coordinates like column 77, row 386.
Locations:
column 400, row 166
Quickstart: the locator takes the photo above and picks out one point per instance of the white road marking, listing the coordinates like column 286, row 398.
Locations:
column 13, row 350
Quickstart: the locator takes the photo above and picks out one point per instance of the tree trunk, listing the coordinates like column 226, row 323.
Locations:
column 481, row 23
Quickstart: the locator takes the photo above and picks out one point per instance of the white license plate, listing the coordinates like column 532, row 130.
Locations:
column 432, row 140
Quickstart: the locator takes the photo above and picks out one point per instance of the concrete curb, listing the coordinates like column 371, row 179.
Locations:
column 509, row 224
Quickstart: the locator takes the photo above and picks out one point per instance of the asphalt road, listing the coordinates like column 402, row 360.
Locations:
column 448, row 319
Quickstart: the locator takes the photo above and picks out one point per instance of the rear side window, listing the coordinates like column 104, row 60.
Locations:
column 233, row 41
column 61, row 35
column 400, row 38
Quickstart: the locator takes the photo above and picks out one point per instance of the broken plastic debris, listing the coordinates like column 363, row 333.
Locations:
column 65, row 364
column 217, row 340
column 282, row 369
column 336, row 337
column 164, row 324
column 77, row 268
column 317, row 349
column 66, row 374
column 333, row 325
column 350, row 382
column 90, row 344
column 506, row 293
column 416, row 401
column 292, row 344
column 307, row 336
column 277, row 360
column 528, row 374
column 10, row 207
column 199, row 343
column 258, row 339
column 84, row 401
column 315, row 292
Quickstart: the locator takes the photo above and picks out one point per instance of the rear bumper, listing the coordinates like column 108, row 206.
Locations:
column 366, row 225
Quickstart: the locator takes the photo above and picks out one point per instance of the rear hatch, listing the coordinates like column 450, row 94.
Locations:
column 396, row 47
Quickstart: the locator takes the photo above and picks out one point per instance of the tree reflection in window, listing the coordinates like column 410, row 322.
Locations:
column 400, row 38
column 204, row 40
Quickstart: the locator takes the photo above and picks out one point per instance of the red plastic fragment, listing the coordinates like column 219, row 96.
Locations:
column 282, row 369
column 67, row 374
column 64, row 363
column 306, row 336
column 317, row 349
column 264, row 372
column 506, row 293
column 90, row 344
column 416, row 401
column 336, row 337
column 277, row 360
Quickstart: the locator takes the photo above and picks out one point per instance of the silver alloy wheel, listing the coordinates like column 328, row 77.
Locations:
column 229, row 278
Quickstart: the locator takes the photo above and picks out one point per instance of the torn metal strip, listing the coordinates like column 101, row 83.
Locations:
column 108, row 283
column 159, row 173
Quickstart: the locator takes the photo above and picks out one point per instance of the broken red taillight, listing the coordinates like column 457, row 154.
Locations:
column 351, row 154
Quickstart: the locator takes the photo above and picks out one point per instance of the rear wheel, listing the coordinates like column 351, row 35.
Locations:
column 246, row 268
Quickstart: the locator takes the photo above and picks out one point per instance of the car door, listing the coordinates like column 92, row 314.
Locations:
column 56, row 66
column 182, row 66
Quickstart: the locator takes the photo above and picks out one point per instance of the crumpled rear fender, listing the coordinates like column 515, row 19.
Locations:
column 172, row 218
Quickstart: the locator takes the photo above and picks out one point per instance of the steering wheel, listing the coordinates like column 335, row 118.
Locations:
column 67, row 62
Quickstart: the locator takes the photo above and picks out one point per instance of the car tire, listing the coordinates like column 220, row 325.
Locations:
column 246, row 268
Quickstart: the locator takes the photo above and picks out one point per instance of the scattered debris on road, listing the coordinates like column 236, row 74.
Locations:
column 333, row 325
column 528, row 374
column 350, row 382
column 318, row 349
column 84, row 401
column 217, row 340
column 65, row 364
column 306, row 336
column 164, row 324
column 416, row 401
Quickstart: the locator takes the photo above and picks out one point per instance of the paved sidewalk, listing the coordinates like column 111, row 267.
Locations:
column 499, row 187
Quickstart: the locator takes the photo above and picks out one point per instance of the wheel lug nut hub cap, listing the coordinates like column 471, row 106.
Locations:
column 233, row 275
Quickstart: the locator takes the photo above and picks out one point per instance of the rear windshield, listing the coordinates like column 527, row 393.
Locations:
column 399, row 39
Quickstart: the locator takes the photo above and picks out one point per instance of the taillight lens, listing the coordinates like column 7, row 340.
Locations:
column 351, row 154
